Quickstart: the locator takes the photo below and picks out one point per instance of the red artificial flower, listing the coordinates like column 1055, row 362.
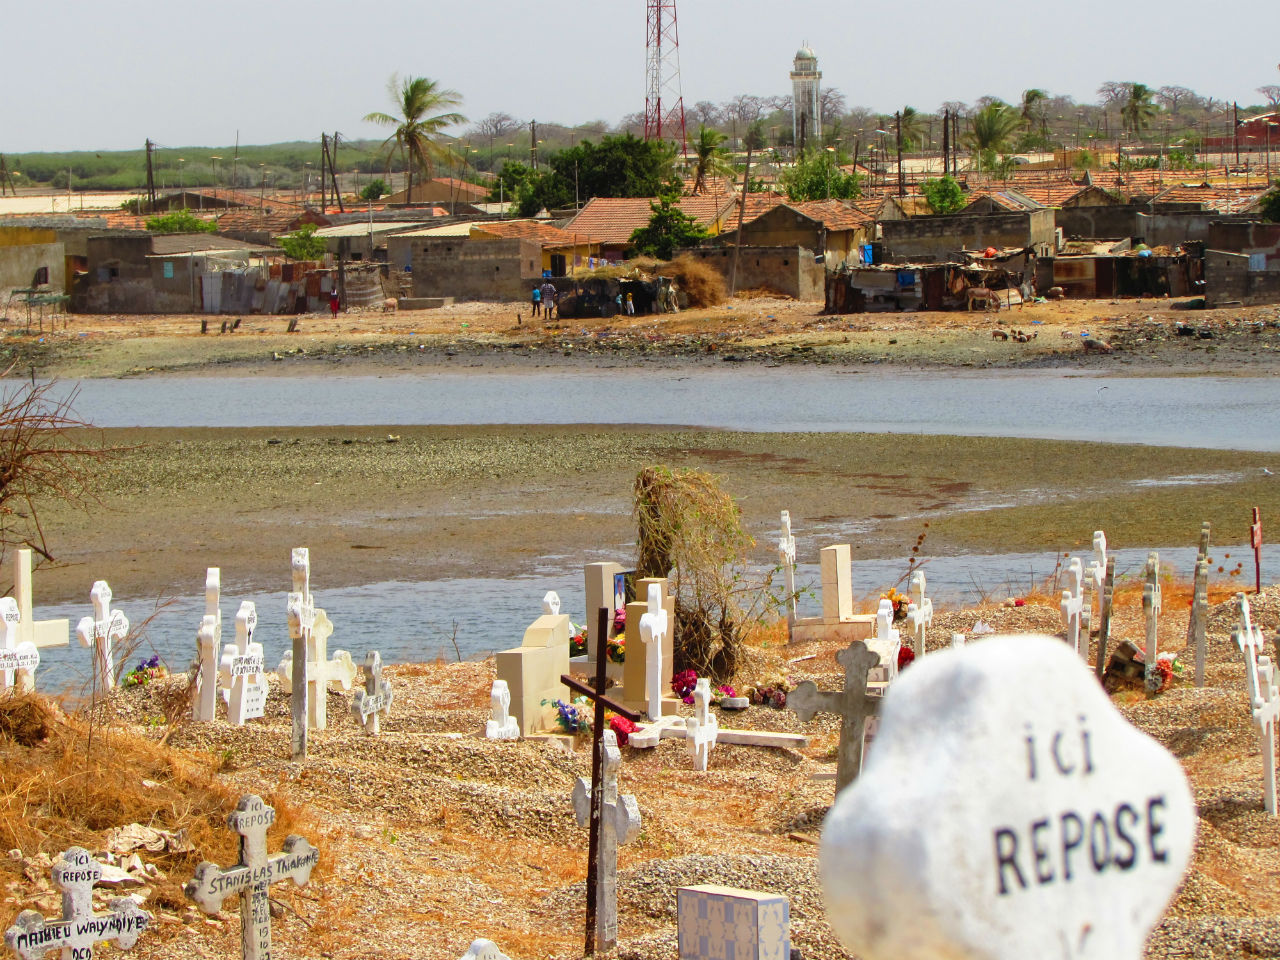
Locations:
column 622, row 728
column 905, row 655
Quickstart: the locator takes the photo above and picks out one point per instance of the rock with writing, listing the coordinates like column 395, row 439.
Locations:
column 1066, row 830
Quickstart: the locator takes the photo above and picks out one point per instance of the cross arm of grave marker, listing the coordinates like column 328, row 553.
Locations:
column 374, row 700
column 854, row 704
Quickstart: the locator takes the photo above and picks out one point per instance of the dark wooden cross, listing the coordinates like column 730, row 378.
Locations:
column 854, row 704
column 1255, row 541
column 597, row 696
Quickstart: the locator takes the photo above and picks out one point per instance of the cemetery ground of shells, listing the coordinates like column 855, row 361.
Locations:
column 431, row 836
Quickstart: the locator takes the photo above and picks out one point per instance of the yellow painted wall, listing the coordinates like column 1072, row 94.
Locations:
column 26, row 236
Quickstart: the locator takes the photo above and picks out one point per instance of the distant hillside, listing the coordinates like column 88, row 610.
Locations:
column 283, row 165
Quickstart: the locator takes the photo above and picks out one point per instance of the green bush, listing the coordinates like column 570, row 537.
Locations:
column 180, row 221
column 303, row 244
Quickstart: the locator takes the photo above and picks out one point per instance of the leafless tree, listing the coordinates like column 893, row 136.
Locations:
column 631, row 123
column 1174, row 98
column 705, row 112
column 957, row 108
column 833, row 103
column 745, row 108
column 496, row 125
column 1272, row 92
column 1115, row 93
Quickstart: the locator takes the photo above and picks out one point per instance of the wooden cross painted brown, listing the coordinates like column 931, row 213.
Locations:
column 1255, row 541
column 608, row 938
column 853, row 703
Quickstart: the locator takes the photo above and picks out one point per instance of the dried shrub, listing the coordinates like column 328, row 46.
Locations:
column 763, row 293
column 701, row 283
column 25, row 719
column 691, row 531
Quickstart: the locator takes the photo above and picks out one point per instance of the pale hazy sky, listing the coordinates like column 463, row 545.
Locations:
column 106, row 75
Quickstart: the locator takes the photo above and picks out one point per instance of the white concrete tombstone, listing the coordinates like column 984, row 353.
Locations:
column 835, row 565
column 242, row 670
column 101, row 631
column 372, row 703
column 653, row 630
column 483, row 950
column 253, row 876
column 702, row 728
column 320, row 670
column 1151, row 605
column 619, row 824
column 204, row 706
column 787, row 559
column 501, row 725
column 16, row 657
column 1264, row 697
column 919, row 613
column 1072, row 845
column 1072, row 605
column 551, row 603
column 885, row 644
column 80, row 929
column 38, row 633
column 957, row 641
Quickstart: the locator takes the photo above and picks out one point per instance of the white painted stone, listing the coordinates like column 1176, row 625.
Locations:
column 302, row 617
column 619, row 824
column 1066, row 830
column 1151, row 606
column 80, row 929
column 38, row 633
column 253, row 876
column 1096, row 572
column 101, row 631
column 919, row 613
column 16, row 656
column 886, row 644
column 484, row 950
column 204, row 705
column 1264, row 697
column 372, row 704
column 501, row 725
column 242, row 670
column 787, row 559
column 1072, row 605
column 957, row 641
column 551, row 603
column 702, row 727
column 653, row 630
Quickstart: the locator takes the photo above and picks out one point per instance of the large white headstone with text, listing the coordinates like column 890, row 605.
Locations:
column 242, row 670
column 1066, row 830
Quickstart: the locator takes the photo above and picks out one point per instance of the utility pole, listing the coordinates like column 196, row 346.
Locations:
column 6, row 180
column 902, row 183
column 1235, row 129
column 151, row 177
column 333, row 172
column 742, row 209
column 946, row 139
column 324, row 169
column 533, row 144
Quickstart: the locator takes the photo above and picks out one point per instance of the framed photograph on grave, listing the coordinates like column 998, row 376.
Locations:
column 624, row 589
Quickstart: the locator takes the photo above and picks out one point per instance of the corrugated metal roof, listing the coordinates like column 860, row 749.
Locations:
column 362, row 228
column 448, row 230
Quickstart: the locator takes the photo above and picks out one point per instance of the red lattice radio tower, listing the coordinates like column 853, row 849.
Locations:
column 663, row 102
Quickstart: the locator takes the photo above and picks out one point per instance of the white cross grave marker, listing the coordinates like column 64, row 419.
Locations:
column 1151, row 610
column 483, row 950
column 885, row 644
column 310, row 629
column 243, row 670
column 620, row 824
column 38, row 633
column 204, row 707
column 16, row 657
column 1097, row 568
column 101, row 631
column 702, row 728
column 1264, row 697
column 372, row 703
column 501, row 725
column 551, row 603
column 919, row 613
column 252, row 877
column 653, row 630
column 74, row 873
column 787, row 557
column 1072, row 604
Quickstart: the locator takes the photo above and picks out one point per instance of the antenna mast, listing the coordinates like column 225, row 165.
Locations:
column 664, row 104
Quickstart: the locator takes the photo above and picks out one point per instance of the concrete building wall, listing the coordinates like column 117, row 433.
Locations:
column 19, row 264
column 467, row 270
column 1229, row 278
column 1161, row 228
column 942, row 237
column 1248, row 237
column 789, row 270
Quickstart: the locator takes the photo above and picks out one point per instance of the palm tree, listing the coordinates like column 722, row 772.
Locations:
column 911, row 123
column 992, row 127
column 418, row 127
column 1032, row 113
column 710, row 158
column 1138, row 108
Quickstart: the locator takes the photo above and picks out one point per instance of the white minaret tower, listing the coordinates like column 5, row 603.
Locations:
column 806, row 112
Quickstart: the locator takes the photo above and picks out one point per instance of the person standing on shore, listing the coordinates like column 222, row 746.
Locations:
column 548, row 299
column 536, row 299
column 333, row 303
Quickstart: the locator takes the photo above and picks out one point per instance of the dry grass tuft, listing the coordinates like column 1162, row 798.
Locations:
column 762, row 293
column 701, row 283
column 26, row 719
